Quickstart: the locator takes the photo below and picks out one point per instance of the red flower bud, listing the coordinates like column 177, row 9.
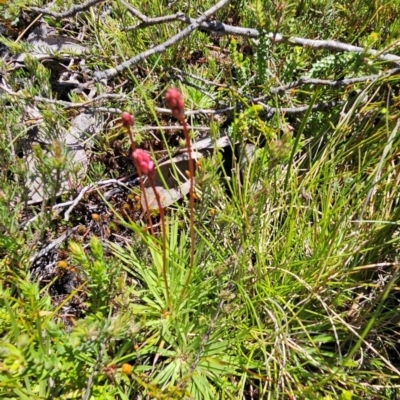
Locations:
column 174, row 100
column 143, row 162
column 127, row 119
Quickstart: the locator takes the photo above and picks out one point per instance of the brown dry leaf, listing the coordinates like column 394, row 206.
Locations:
column 167, row 196
column 171, row 181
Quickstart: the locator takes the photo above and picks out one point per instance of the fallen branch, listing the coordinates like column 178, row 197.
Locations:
column 259, row 100
column 219, row 28
column 86, row 104
column 69, row 13
column 325, row 82
column 215, row 27
column 110, row 73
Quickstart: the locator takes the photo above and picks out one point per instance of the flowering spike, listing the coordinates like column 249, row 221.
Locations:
column 174, row 100
column 127, row 119
column 143, row 162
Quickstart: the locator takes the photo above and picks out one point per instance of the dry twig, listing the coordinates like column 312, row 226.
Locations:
column 219, row 28
column 87, row 189
column 74, row 203
column 269, row 111
column 69, row 13
column 146, row 21
column 326, row 82
column 110, row 73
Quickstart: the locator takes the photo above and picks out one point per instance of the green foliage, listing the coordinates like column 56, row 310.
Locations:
column 98, row 273
column 262, row 53
column 325, row 67
column 241, row 64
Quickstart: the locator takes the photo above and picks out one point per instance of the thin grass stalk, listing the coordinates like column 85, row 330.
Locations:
column 164, row 240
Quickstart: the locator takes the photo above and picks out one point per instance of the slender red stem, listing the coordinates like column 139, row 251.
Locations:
column 140, row 157
column 146, row 203
column 133, row 147
column 191, row 202
column 164, row 240
column 131, row 138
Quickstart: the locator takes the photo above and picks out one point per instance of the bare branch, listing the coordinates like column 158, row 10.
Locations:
column 215, row 27
column 69, row 13
column 269, row 111
column 161, row 47
column 339, row 46
column 304, row 81
column 136, row 13
column 146, row 21
column 219, row 28
column 324, row 82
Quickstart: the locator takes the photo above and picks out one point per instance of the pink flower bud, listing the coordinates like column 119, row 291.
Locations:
column 143, row 162
column 174, row 100
column 127, row 119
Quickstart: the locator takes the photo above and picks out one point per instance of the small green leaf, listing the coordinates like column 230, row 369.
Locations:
column 350, row 364
column 346, row 395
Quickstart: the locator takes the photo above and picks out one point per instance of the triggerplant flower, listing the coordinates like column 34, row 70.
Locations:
column 143, row 162
column 174, row 100
column 127, row 119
